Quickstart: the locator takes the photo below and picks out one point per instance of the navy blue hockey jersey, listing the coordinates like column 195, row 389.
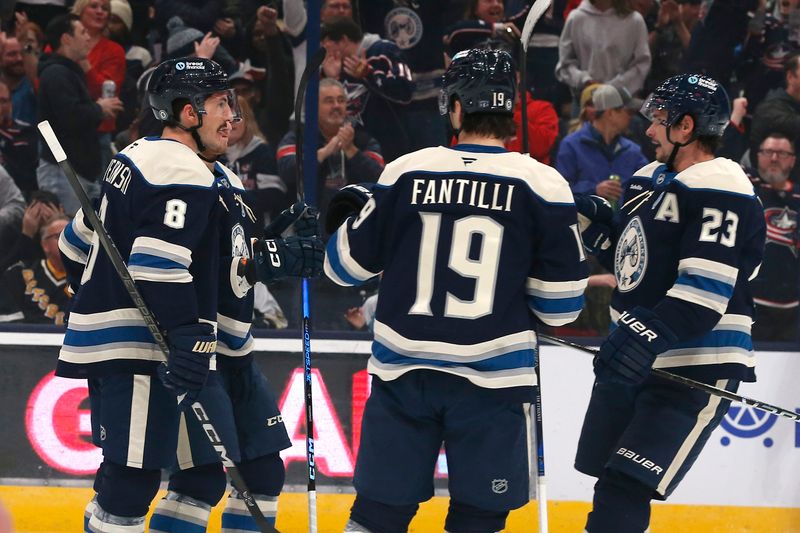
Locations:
column 160, row 207
column 686, row 246
column 472, row 241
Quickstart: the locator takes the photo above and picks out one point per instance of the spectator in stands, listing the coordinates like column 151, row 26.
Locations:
column 485, row 20
column 12, row 207
column 253, row 160
column 377, row 82
column 543, row 56
column 43, row 208
column 104, row 62
column 603, row 41
column 542, row 127
column 186, row 40
column 41, row 12
column 347, row 153
column 65, row 102
column 598, row 159
column 13, row 74
column 202, row 15
column 19, row 145
column 776, row 289
column 417, row 29
column 780, row 110
column 38, row 290
column 137, row 60
column 670, row 38
column 268, row 71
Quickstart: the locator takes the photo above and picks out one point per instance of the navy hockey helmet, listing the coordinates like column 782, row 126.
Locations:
column 483, row 80
column 190, row 78
column 696, row 95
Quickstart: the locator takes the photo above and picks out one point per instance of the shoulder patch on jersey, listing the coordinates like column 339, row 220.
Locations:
column 233, row 178
column 719, row 174
column 163, row 162
column 544, row 181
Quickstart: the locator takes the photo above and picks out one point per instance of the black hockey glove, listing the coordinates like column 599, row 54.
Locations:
column 275, row 259
column 627, row 355
column 347, row 202
column 303, row 217
column 594, row 222
column 190, row 350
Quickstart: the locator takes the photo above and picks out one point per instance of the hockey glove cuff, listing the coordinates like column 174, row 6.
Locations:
column 303, row 217
column 300, row 257
column 595, row 208
column 628, row 354
column 190, row 350
column 348, row 201
column 594, row 235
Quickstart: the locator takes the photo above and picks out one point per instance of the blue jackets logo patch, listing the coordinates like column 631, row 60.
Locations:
column 630, row 257
column 403, row 27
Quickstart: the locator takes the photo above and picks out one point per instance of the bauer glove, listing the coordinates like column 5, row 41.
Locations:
column 347, row 202
column 595, row 216
column 627, row 355
column 190, row 350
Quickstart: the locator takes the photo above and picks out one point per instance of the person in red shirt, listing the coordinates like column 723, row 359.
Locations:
column 106, row 59
column 542, row 128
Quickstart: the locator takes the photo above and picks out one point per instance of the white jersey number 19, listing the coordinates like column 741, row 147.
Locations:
column 483, row 269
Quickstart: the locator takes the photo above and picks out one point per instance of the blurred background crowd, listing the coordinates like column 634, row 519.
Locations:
column 84, row 66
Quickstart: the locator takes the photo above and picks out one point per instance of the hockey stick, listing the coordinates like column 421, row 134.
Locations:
column 311, row 68
column 537, row 10
column 714, row 391
column 149, row 320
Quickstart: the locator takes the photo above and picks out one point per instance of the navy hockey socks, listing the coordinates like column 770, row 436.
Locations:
column 377, row 517
column 621, row 504
column 464, row 518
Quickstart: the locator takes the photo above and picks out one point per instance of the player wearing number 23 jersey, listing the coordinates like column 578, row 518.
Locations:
column 475, row 245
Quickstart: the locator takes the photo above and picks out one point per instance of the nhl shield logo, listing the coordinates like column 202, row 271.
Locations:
column 499, row 486
column 630, row 258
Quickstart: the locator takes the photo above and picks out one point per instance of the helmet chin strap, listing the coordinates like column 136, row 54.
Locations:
column 201, row 147
column 675, row 147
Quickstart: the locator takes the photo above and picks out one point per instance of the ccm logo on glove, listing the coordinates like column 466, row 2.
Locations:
column 633, row 323
column 205, row 347
column 272, row 248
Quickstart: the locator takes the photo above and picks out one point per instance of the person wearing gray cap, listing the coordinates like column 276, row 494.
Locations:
column 598, row 159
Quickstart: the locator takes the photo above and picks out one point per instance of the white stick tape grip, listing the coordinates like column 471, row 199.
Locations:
column 52, row 141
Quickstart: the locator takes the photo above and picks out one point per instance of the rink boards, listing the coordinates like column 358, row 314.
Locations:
column 745, row 480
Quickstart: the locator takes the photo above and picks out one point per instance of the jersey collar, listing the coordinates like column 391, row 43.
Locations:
column 479, row 148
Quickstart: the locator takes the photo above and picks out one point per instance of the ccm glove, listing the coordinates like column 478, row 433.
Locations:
column 627, row 355
column 347, row 202
column 275, row 259
column 190, row 350
column 303, row 217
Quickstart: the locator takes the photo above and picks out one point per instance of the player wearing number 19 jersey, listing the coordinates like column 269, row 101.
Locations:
column 687, row 238
column 475, row 245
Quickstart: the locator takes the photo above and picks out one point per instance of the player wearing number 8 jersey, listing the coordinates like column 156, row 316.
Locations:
column 475, row 245
column 687, row 238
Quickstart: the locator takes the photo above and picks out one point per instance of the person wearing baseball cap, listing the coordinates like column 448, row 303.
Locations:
column 597, row 158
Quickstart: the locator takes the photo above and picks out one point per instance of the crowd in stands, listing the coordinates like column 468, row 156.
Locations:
column 84, row 66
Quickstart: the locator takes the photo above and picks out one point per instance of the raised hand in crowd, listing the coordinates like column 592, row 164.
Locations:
column 505, row 30
column 267, row 20
column 37, row 215
column 346, row 137
column 332, row 64
column 110, row 106
column 329, row 149
column 356, row 65
column 207, row 46
column 738, row 110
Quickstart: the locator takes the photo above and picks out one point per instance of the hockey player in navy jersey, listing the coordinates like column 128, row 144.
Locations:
column 475, row 245
column 163, row 208
column 688, row 236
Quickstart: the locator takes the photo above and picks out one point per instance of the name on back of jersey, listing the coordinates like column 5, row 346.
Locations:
column 118, row 175
column 462, row 191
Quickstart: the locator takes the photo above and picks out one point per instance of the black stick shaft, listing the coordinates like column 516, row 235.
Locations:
column 714, row 391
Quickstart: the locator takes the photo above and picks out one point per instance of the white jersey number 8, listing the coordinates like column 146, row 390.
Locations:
column 483, row 269
column 175, row 215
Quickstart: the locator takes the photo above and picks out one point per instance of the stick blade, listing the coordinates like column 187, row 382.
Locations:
column 536, row 12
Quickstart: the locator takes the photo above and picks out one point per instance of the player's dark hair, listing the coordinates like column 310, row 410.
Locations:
column 177, row 106
column 489, row 125
column 777, row 135
column 341, row 27
column 57, row 27
column 709, row 143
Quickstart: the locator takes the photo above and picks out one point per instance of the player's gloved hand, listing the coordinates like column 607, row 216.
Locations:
column 275, row 259
column 347, row 202
column 594, row 222
column 627, row 355
column 303, row 217
column 190, row 350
